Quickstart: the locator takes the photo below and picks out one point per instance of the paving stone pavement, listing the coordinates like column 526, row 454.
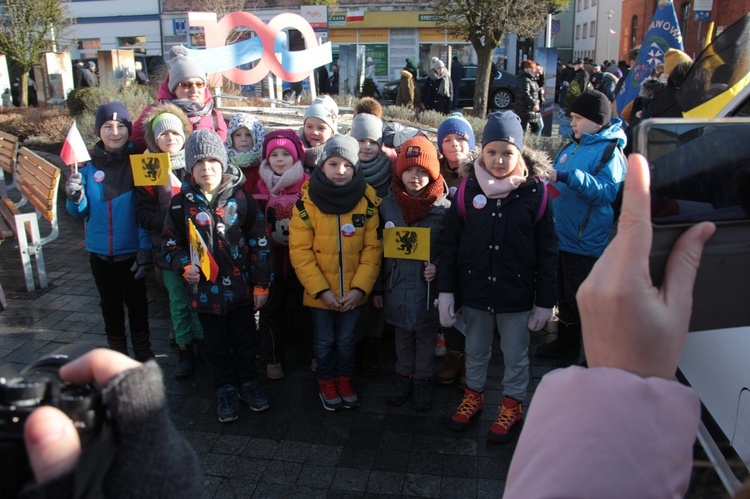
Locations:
column 295, row 449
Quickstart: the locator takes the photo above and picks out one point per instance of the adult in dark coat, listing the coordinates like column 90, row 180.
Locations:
column 88, row 78
column 457, row 74
column 77, row 74
column 527, row 96
column 438, row 89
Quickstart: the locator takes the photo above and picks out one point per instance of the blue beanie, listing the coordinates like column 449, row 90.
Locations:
column 112, row 111
column 504, row 126
column 455, row 123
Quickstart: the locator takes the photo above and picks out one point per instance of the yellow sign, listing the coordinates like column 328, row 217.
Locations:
column 410, row 243
column 342, row 35
column 432, row 35
column 151, row 169
column 373, row 35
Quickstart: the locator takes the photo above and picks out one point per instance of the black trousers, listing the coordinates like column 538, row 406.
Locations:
column 284, row 319
column 118, row 288
column 572, row 270
column 229, row 345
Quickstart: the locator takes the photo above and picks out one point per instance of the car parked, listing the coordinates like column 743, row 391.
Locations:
column 501, row 92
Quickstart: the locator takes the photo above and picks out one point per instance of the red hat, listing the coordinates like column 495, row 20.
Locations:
column 418, row 151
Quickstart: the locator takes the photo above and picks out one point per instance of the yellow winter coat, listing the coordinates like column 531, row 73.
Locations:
column 325, row 258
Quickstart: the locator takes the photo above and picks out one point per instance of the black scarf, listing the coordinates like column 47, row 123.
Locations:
column 334, row 199
column 194, row 109
column 118, row 175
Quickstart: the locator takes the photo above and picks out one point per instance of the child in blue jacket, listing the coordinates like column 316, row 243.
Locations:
column 102, row 193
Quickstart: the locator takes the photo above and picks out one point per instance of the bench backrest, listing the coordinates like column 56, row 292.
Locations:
column 38, row 180
column 8, row 149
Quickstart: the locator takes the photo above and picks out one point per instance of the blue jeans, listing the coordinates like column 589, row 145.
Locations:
column 333, row 341
column 514, row 343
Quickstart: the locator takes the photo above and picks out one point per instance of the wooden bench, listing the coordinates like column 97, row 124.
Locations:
column 8, row 150
column 37, row 180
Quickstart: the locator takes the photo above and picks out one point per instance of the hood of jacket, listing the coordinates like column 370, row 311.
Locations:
column 152, row 113
column 612, row 132
column 231, row 178
column 537, row 161
column 649, row 88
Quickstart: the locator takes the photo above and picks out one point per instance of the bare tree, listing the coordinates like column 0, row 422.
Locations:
column 29, row 29
column 485, row 22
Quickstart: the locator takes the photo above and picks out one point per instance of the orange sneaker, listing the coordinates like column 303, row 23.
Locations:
column 471, row 405
column 509, row 422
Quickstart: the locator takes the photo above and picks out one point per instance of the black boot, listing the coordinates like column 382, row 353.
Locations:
column 370, row 360
column 118, row 344
column 142, row 346
column 567, row 343
column 186, row 364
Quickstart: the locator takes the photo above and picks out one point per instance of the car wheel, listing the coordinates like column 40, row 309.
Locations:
column 501, row 99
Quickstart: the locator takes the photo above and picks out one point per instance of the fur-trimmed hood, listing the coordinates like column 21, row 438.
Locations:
column 649, row 88
column 152, row 113
column 538, row 162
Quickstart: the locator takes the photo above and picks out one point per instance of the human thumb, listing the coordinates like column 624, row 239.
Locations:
column 52, row 443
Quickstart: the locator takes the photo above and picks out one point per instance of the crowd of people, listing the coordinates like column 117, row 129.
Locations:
column 289, row 227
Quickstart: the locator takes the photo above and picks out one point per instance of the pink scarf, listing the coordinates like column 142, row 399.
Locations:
column 276, row 183
column 496, row 188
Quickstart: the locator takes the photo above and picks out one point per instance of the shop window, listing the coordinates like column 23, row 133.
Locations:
column 135, row 43
column 87, row 47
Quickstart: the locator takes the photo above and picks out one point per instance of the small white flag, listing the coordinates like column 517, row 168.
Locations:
column 612, row 32
column 74, row 149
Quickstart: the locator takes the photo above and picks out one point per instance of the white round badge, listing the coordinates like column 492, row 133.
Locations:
column 563, row 158
column 202, row 219
column 99, row 176
column 389, row 225
column 452, row 191
column 347, row 230
column 479, row 201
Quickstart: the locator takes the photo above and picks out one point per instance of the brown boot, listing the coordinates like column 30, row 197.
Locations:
column 453, row 366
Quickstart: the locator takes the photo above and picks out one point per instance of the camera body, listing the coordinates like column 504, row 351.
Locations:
column 37, row 385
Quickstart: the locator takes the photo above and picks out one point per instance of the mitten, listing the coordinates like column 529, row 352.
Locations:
column 74, row 188
column 144, row 262
column 446, row 302
column 539, row 317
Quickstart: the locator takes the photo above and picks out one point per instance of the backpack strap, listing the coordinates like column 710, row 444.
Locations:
column 370, row 211
column 460, row 198
column 303, row 213
column 543, row 203
column 609, row 151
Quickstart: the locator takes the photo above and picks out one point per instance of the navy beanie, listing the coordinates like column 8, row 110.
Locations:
column 112, row 111
column 455, row 123
column 504, row 126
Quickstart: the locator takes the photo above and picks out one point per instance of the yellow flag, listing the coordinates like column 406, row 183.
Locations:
column 199, row 254
column 151, row 168
column 411, row 243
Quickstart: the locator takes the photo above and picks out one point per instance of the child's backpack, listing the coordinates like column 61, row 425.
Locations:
column 461, row 200
column 608, row 153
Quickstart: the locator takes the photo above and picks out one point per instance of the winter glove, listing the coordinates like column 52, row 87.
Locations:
column 538, row 318
column 74, row 188
column 144, row 262
column 446, row 302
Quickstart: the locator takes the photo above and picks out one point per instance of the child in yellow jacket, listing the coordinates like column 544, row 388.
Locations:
column 336, row 253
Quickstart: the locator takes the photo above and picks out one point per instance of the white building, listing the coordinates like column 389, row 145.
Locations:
column 596, row 32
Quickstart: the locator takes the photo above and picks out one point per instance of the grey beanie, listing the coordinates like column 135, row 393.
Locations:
column 183, row 67
column 167, row 122
column 325, row 109
column 342, row 146
column 367, row 126
column 204, row 144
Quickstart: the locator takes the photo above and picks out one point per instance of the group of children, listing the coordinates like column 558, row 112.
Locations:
column 297, row 219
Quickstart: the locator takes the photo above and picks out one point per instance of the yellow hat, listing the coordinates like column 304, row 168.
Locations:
column 673, row 57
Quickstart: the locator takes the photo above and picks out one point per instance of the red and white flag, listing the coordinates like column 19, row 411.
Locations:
column 74, row 149
column 355, row 15
column 612, row 32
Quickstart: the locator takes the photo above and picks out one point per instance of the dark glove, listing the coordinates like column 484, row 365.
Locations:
column 74, row 188
column 144, row 262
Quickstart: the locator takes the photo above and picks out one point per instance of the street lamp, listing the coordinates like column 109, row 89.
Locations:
column 609, row 30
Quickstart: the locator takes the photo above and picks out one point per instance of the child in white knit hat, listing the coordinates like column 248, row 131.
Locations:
column 244, row 145
column 319, row 125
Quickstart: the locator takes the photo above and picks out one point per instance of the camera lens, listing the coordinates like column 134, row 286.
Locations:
column 23, row 392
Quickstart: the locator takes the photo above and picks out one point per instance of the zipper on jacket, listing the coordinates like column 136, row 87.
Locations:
column 585, row 222
column 341, row 258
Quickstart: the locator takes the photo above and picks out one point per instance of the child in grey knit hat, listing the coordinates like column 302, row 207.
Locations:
column 377, row 163
column 227, row 282
column 336, row 253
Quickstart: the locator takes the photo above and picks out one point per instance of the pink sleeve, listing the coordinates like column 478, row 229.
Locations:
column 137, row 133
column 604, row 432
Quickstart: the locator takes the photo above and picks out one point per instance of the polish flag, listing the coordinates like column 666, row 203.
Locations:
column 74, row 149
column 355, row 15
column 612, row 32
